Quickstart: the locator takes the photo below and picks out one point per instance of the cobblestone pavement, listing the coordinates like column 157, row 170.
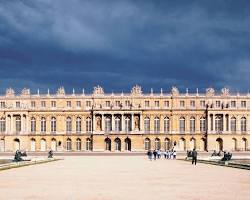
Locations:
column 124, row 178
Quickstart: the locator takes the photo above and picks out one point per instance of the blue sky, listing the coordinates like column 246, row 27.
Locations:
column 116, row 44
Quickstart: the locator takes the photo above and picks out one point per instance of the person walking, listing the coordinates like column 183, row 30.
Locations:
column 155, row 154
column 194, row 156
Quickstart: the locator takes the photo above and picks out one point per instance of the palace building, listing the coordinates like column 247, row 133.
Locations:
column 124, row 121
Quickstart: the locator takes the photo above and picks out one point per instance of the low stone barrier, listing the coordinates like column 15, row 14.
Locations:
column 26, row 163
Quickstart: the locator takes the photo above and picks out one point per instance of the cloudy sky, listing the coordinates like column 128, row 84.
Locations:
column 116, row 44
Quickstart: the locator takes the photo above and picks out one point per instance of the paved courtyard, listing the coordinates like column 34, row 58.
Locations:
column 123, row 177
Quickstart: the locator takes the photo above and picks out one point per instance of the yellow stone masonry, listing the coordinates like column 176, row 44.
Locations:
column 124, row 122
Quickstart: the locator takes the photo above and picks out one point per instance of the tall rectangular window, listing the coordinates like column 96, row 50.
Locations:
column 2, row 104
column 182, row 104
column 157, row 104
column 217, row 103
column 166, row 104
column 243, row 104
column 146, row 104
column 78, row 104
column 88, row 103
column 69, row 104
column 192, row 104
column 202, row 104
column 33, row 104
column 53, row 104
column 18, row 104
column 233, row 104
column 43, row 104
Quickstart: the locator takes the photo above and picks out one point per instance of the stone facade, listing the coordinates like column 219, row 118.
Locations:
column 124, row 122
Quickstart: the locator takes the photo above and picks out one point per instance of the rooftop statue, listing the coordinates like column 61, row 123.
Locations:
column 136, row 90
column 210, row 92
column 98, row 90
column 60, row 91
column 10, row 92
column 175, row 91
column 25, row 91
column 225, row 92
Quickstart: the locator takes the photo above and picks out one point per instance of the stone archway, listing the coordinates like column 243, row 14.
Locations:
column 219, row 144
column 2, row 145
column 16, row 145
column 32, row 144
column 128, row 144
column 107, row 142
column 117, row 144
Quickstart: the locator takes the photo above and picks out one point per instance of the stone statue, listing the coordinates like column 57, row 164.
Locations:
column 175, row 91
column 98, row 90
column 61, row 91
column 136, row 123
column 10, row 92
column 25, row 92
column 136, row 90
column 225, row 92
column 210, row 92
column 98, row 123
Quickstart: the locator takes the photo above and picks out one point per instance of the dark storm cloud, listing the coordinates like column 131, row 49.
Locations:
column 116, row 44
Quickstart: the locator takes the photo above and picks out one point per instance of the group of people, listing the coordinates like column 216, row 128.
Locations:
column 157, row 154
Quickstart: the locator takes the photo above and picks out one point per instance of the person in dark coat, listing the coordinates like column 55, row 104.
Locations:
column 194, row 156
column 155, row 154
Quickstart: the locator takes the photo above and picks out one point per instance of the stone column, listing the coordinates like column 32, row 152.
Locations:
column 7, row 121
column 27, row 124
column 113, row 122
column 103, row 123
column 123, row 123
column 224, row 123
column 214, row 123
column 94, row 123
column 141, row 123
column 229, row 123
column 238, row 124
column 132, row 122
column 12, row 127
column 208, row 123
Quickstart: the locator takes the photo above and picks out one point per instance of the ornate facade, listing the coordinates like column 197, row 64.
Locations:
column 124, row 122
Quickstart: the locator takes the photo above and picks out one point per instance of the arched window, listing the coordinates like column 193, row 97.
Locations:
column 243, row 124
column 32, row 144
column 43, row 124
column 202, row 124
column 43, row 145
column 147, row 125
column 68, row 144
column 107, row 144
column 33, row 125
column 192, row 124
column 147, row 144
column 18, row 124
column 157, row 125
column 233, row 124
column 108, row 125
column 2, row 125
column 78, row 144
column 157, row 144
column 167, row 144
column 218, row 124
column 78, row 125
column 127, row 124
column 128, row 144
column 117, row 124
column 68, row 125
column 53, row 124
column 182, row 125
column 88, row 144
column 117, row 144
column 166, row 125
column 88, row 124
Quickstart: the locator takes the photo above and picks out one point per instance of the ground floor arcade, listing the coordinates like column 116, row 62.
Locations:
column 119, row 142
